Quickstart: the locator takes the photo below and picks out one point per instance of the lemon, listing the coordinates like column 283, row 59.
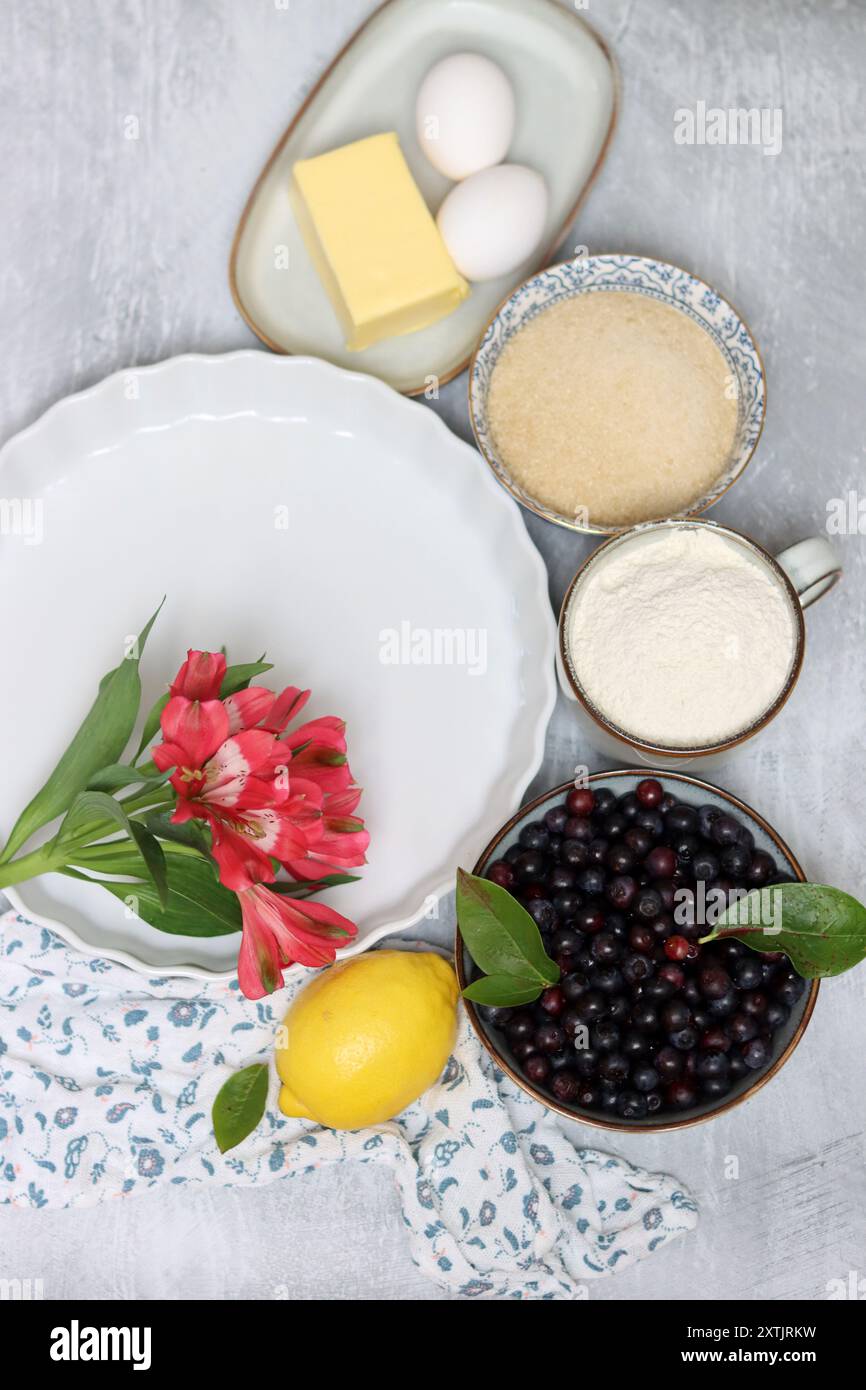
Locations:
column 366, row 1037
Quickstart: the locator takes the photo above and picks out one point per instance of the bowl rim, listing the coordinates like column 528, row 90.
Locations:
column 533, row 504
column 698, row 750
column 597, row 1121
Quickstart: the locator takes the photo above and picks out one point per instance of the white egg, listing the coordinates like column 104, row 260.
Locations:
column 494, row 220
column 465, row 114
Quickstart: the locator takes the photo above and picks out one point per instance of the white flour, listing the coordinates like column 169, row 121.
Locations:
column 681, row 637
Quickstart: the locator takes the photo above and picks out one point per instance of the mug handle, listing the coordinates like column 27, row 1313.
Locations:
column 812, row 567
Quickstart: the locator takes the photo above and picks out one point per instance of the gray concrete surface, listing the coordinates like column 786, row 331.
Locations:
column 113, row 253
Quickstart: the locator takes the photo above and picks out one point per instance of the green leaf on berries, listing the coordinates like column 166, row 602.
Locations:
column 821, row 930
column 501, row 937
column 502, row 991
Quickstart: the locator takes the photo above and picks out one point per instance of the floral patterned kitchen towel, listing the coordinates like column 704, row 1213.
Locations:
column 107, row 1080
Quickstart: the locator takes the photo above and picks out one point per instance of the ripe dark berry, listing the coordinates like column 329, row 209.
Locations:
column 591, row 880
column 675, row 1015
column 536, row 1068
column 520, row 1026
column 552, row 1001
column 647, row 905
column 573, row 854
column 619, row 858
column 735, row 861
column 725, row 830
column 549, row 1037
column 705, row 866
column 645, row 1016
column 741, row 1028
column 636, row 968
column 555, row 819
column 672, row 973
column 564, row 1085
column 578, row 828
column 714, row 982
column 530, row 866
column 760, row 870
column 754, row 1003
column 534, row 836
column 645, row 1077
column 542, row 913
column 606, row 947
column 502, row 873
column 755, row 1053
column 605, row 1036
column 661, row 862
column 631, row 1106
column 589, row 1007
column 715, row 1039
column 641, row 939
column 649, row 792
column 684, row 1039
column 580, row 801
column 681, row 1095
column 669, row 1063
column 620, row 891
column 613, row 1067
column 712, row 1064
column 747, row 973
column 788, row 991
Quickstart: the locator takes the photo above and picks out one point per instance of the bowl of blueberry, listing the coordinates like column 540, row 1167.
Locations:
column 647, row 1028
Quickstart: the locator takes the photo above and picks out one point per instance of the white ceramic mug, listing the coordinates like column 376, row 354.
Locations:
column 806, row 570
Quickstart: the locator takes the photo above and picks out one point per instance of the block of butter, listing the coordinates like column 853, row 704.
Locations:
column 373, row 241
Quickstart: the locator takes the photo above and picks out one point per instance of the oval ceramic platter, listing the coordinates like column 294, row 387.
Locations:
column 566, row 91
column 290, row 507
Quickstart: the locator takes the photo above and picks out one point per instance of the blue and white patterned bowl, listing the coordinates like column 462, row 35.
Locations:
column 613, row 274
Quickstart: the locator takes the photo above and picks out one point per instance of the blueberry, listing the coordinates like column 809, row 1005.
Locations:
column 634, row 1044
column 591, row 880
column 631, row 1106
column 740, row 1028
column 645, row 1016
column 496, row 1017
column 542, row 913
column 736, row 860
column 564, row 1085
column 714, row 1087
column 578, row 828
column 537, row 1068
column 555, row 819
column 747, row 973
column 637, row 968
column 712, row 1064
column 652, row 822
column 573, row 986
column 589, row 1007
column 645, row 1077
column 684, row 1039
column 647, row 904
column 705, row 866
column 676, row 1015
column 619, row 858
column 620, row 891
column 725, row 830
column 756, row 1053
column 608, row 979
column 549, row 1037
column 707, row 817
column 605, row 1036
column 604, row 800
column 534, row 836
column 530, row 866
column 573, row 854
column 682, row 819
column 613, row 1068
column 761, row 869
column 789, row 990
column 606, row 947
column 520, row 1026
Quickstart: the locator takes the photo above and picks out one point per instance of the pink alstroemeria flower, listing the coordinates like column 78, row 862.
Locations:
column 278, row 932
column 343, row 842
